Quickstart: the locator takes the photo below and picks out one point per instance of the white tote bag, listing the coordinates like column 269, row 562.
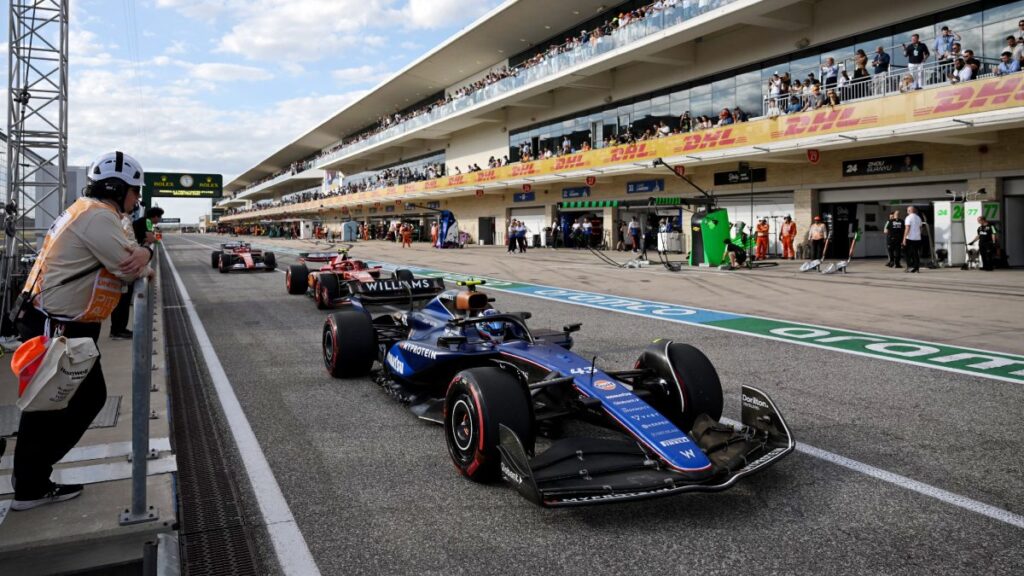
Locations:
column 66, row 364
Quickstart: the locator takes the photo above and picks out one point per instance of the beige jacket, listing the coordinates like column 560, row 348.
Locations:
column 87, row 234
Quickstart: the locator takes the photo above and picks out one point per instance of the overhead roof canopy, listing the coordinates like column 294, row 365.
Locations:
column 505, row 31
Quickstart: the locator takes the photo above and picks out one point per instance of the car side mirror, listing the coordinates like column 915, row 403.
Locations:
column 572, row 328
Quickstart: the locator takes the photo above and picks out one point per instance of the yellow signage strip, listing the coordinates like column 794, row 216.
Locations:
column 969, row 98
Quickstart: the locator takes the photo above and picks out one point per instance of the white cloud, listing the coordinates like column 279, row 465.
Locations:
column 282, row 30
column 174, row 130
column 224, row 72
column 177, row 47
column 360, row 75
column 440, row 13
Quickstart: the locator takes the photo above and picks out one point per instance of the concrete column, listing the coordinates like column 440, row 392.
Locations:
column 609, row 229
column 550, row 211
column 805, row 208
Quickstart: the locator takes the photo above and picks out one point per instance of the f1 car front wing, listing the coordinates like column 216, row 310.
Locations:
column 575, row 471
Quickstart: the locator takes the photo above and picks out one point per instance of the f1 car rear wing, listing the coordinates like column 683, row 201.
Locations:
column 395, row 291
column 576, row 472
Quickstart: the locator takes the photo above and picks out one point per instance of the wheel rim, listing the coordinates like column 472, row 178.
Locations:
column 328, row 346
column 288, row 280
column 324, row 297
column 462, row 426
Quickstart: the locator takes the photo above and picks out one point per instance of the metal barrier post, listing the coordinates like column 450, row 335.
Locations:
column 142, row 375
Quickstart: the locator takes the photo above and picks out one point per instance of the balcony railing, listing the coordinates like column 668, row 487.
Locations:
column 899, row 79
column 632, row 32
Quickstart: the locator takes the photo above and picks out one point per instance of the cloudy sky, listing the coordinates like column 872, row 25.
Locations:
column 216, row 86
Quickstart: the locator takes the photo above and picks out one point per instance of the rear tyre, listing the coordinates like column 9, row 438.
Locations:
column 224, row 263
column 327, row 291
column 215, row 259
column 296, row 280
column 403, row 275
column 691, row 388
column 270, row 261
column 349, row 344
column 477, row 401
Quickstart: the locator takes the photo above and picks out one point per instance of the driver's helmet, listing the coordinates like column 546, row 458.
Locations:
column 493, row 329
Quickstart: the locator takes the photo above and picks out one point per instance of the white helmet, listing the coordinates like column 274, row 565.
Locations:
column 116, row 165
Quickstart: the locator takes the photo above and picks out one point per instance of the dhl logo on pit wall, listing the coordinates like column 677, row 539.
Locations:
column 528, row 169
column 569, row 162
column 978, row 96
column 968, row 97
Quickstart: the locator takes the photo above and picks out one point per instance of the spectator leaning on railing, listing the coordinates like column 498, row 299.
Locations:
column 88, row 246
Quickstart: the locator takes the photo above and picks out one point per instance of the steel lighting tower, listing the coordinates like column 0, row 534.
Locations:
column 37, row 129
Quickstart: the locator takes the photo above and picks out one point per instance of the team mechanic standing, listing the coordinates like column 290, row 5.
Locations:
column 987, row 240
column 88, row 246
column 894, row 239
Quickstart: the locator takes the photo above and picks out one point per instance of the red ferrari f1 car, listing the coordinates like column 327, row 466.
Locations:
column 341, row 277
column 241, row 256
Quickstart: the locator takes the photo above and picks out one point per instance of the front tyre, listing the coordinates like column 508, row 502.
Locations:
column 224, row 263
column 690, row 385
column 215, row 259
column 270, row 261
column 349, row 344
column 327, row 291
column 477, row 402
column 296, row 279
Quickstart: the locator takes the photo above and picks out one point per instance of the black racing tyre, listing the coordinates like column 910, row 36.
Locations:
column 477, row 401
column 692, row 384
column 215, row 259
column 349, row 343
column 296, row 279
column 327, row 291
column 403, row 275
column 270, row 261
column 224, row 263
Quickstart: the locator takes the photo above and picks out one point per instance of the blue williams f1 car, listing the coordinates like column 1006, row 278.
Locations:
column 496, row 386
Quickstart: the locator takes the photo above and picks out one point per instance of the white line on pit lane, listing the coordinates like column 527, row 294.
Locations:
column 907, row 483
column 293, row 554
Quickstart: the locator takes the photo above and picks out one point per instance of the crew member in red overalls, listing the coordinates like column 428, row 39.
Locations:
column 761, row 233
column 406, row 231
column 788, row 233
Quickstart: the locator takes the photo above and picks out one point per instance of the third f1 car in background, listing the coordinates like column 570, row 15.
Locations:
column 341, row 278
column 497, row 386
column 241, row 256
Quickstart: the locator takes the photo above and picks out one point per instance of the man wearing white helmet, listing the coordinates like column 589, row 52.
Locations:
column 75, row 285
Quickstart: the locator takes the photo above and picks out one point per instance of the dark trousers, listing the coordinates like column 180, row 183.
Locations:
column 988, row 256
column 46, row 437
column 895, row 253
column 817, row 249
column 512, row 243
column 119, row 317
column 913, row 254
column 521, row 240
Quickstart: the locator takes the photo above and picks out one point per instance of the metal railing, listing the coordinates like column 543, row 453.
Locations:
column 899, row 79
column 142, row 379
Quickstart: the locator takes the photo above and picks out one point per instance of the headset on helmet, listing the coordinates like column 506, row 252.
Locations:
column 112, row 174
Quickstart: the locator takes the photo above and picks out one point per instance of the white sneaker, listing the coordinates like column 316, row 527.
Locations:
column 9, row 343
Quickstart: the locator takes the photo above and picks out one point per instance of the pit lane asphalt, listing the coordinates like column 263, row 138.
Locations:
column 373, row 492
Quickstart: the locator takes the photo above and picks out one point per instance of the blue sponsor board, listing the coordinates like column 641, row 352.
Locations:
column 645, row 186
column 581, row 192
column 524, row 196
